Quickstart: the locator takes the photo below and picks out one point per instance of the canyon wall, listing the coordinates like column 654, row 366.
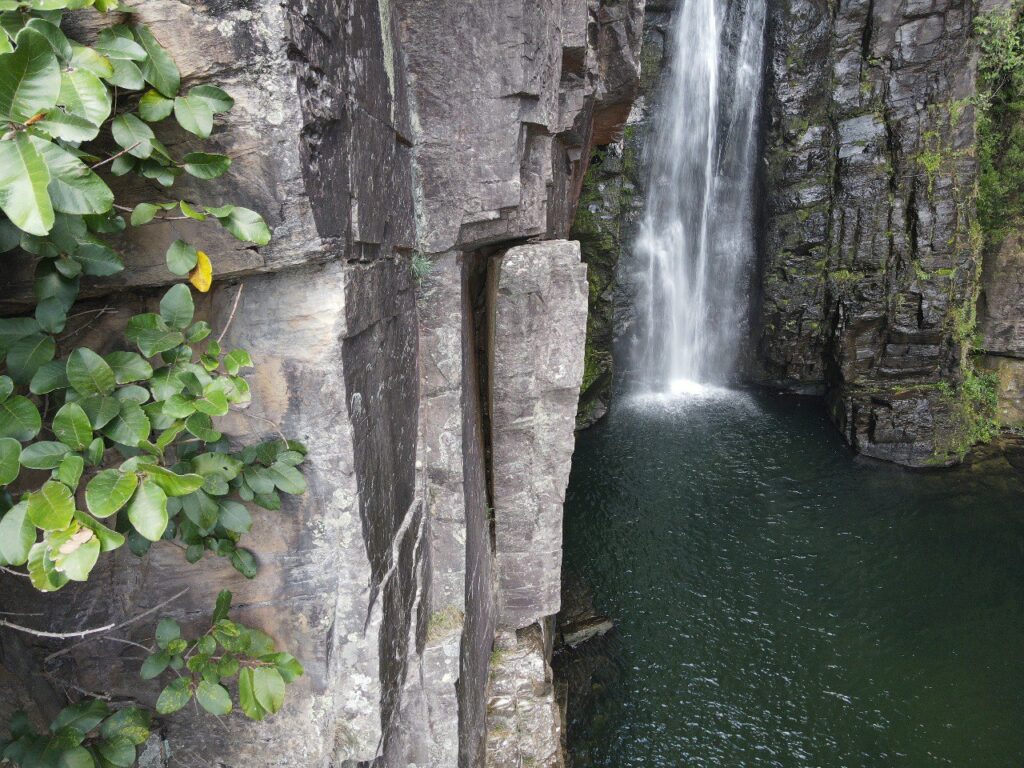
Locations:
column 437, row 408
column 869, row 287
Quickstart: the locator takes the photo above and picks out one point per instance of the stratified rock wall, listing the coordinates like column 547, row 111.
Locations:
column 871, row 263
column 366, row 131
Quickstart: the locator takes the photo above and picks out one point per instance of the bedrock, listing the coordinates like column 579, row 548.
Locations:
column 438, row 412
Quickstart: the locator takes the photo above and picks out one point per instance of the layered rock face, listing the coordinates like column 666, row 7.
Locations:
column 871, row 256
column 869, row 272
column 438, row 415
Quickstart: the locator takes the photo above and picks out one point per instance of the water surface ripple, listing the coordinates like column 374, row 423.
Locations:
column 780, row 603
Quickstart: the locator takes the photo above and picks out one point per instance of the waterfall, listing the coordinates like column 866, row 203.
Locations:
column 696, row 240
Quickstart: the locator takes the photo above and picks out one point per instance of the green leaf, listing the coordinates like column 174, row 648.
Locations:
column 109, row 540
column 153, row 107
column 235, row 360
column 118, row 752
column 101, row 409
column 222, row 606
column 84, row 95
column 130, row 427
column 89, row 373
column 194, row 115
column 73, row 187
column 192, row 213
column 70, row 470
column 218, row 99
column 268, row 686
column 213, row 698
column 246, row 225
column 19, row 419
column 14, row 328
column 76, row 558
column 143, row 213
column 87, row 59
column 98, row 260
column 128, row 367
column 118, row 47
column 247, row 695
column 166, row 631
column 57, row 40
column 29, row 78
column 17, row 535
column 154, row 665
column 109, row 490
column 27, row 355
column 287, row 665
column 159, row 68
column 203, row 165
column 287, row 479
column 61, row 125
column 72, row 427
column 133, row 135
column 181, row 257
column 243, row 561
column 234, row 517
column 177, row 307
column 172, row 483
column 130, row 723
column 147, row 510
column 51, row 507
column 51, row 316
column 76, row 757
column 24, row 178
column 200, row 425
column 83, row 716
column 126, row 75
column 174, row 696
column 156, row 340
column 6, row 387
column 10, row 460
column 94, row 453
column 49, row 282
column 41, row 570
column 44, row 455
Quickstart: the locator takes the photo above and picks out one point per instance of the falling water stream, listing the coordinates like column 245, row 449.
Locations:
column 777, row 602
column 696, row 240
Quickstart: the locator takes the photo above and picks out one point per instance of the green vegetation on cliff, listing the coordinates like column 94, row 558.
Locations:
column 1000, row 120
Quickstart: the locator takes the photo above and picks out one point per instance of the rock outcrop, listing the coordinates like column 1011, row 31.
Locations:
column 439, row 441
column 871, row 265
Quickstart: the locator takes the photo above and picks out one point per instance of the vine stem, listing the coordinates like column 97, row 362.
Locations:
column 112, row 158
column 55, row 635
column 123, row 624
column 231, row 317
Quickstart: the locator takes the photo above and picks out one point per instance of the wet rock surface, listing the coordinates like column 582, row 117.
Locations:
column 870, row 267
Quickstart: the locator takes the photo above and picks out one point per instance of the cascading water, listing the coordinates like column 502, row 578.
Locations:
column 696, row 239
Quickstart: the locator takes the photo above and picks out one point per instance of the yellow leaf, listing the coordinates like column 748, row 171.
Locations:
column 202, row 276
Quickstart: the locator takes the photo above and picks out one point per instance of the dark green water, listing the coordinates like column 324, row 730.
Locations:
column 780, row 603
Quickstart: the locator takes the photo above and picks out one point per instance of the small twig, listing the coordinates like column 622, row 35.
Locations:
column 101, row 311
column 122, row 625
column 231, row 317
column 146, row 648
column 69, row 685
column 17, row 613
column 56, row 635
column 13, row 572
column 112, row 158
column 268, row 421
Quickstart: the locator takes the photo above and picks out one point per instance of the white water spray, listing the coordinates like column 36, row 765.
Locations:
column 696, row 239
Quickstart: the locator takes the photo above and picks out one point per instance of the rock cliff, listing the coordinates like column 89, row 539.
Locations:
column 869, row 274
column 438, row 411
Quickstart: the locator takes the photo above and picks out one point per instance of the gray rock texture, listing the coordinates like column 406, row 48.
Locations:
column 366, row 131
column 870, row 268
column 537, row 309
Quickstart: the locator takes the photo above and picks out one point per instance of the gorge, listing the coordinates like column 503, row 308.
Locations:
column 719, row 248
